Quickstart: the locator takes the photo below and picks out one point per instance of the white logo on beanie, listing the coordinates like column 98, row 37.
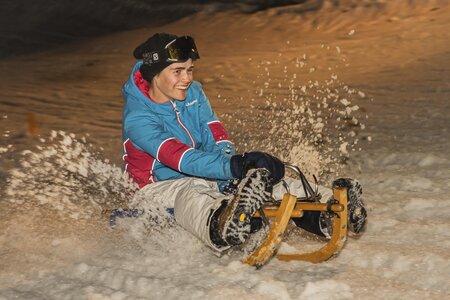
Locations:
column 155, row 57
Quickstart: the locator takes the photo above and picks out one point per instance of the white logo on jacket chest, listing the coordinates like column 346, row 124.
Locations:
column 192, row 102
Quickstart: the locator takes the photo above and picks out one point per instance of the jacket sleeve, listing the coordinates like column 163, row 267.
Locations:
column 214, row 135
column 148, row 134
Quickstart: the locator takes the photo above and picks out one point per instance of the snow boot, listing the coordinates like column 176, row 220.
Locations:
column 321, row 223
column 231, row 223
column 357, row 214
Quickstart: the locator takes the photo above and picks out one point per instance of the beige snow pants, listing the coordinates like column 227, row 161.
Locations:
column 194, row 200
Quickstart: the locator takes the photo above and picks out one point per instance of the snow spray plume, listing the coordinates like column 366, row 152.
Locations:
column 154, row 212
column 311, row 123
column 65, row 176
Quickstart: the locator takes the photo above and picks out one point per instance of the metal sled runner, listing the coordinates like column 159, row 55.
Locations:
column 293, row 207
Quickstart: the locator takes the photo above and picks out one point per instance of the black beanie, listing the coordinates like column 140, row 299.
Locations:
column 155, row 43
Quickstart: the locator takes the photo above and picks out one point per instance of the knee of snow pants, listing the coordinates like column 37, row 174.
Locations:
column 296, row 188
column 311, row 219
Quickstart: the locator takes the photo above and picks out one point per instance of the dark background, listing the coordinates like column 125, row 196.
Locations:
column 27, row 26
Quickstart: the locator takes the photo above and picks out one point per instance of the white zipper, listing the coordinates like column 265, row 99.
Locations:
column 181, row 123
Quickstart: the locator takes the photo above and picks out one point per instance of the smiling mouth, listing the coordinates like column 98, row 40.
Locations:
column 183, row 87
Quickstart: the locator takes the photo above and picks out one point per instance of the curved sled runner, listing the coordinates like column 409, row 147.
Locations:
column 291, row 208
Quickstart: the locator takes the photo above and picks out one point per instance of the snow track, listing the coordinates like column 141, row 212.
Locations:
column 56, row 244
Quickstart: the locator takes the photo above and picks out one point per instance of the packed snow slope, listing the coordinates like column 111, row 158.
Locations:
column 359, row 90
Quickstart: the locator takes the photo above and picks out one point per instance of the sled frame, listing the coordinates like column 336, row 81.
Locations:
column 290, row 208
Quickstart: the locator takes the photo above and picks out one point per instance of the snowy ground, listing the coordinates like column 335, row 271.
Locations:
column 56, row 244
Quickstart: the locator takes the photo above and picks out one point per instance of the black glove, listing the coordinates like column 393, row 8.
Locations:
column 240, row 164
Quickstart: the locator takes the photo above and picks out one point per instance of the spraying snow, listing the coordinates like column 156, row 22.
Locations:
column 56, row 244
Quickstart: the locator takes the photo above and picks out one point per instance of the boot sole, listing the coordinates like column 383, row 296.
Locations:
column 251, row 195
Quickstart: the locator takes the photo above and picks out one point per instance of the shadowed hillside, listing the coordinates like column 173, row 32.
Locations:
column 27, row 26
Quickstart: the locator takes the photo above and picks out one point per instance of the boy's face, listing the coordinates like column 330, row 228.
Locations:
column 172, row 82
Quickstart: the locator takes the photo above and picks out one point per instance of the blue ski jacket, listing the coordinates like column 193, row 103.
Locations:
column 174, row 139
